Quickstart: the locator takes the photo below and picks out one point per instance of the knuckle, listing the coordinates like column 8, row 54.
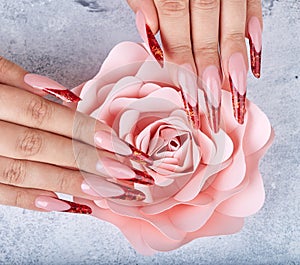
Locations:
column 205, row 4
column 39, row 110
column 236, row 37
column 79, row 127
column 30, row 143
column 80, row 156
column 63, row 183
column 182, row 49
column 5, row 66
column 207, row 50
column 173, row 8
column 20, row 198
column 15, row 173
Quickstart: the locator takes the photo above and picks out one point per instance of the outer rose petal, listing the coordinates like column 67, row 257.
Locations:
column 204, row 182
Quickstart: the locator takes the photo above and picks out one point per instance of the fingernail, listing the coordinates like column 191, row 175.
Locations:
column 130, row 195
column 97, row 185
column 141, row 178
column 114, row 144
column 212, row 91
column 51, row 87
column 255, row 43
column 238, row 79
column 88, row 190
column 107, row 166
column 188, row 83
column 55, row 204
column 113, row 168
column 149, row 38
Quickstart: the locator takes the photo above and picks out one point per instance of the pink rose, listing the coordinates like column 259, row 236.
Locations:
column 205, row 184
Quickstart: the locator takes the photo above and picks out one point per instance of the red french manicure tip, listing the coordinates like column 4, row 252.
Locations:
column 140, row 156
column 77, row 208
column 255, row 59
column 63, row 94
column 154, row 46
column 192, row 112
column 141, row 178
column 130, row 195
column 238, row 103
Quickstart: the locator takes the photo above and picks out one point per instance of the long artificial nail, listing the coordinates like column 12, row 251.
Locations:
column 130, row 194
column 255, row 43
column 189, row 90
column 238, row 79
column 141, row 178
column 107, row 166
column 51, row 87
column 149, row 38
column 114, row 144
column 212, row 92
column 55, row 204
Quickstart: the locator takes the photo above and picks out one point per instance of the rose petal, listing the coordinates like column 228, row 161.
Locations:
column 251, row 198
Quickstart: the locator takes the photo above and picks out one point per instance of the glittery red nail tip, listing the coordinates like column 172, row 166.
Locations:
column 142, row 178
column 139, row 156
column 238, row 104
column 78, row 208
column 130, row 195
column 255, row 60
column 154, row 46
column 192, row 113
column 63, row 94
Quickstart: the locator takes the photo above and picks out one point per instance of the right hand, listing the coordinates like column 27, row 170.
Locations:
column 46, row 148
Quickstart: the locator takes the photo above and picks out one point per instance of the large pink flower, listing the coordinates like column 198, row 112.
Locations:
column 205, row 184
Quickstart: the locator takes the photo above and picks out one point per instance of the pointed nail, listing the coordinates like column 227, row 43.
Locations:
column 212, row 92
column 114, row 144
column 149, row 38
column 113, row 168
column 100, row 186
column 130, row 195
column 238, row 79
column 51, row 87
column 55, row 204
column 189, row 90
column 141, row 178
column 255, row 43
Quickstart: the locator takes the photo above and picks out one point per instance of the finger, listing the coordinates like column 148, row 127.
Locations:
column 254, row 33
column 149, row 11
column 51, row 117
column 174, row 22
column 29, row 174
column 38, row 200
column 205, row 36
column 20, row 197
column 12, row 74
column 40, row 113
column 234, row 52
column 36, row 145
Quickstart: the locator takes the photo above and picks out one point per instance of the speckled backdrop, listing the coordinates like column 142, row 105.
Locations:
column 68, row 40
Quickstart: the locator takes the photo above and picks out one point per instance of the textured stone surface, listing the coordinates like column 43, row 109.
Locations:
column 68, row 40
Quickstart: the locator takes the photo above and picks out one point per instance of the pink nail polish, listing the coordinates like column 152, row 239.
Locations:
column 113, row 168
column 149, row 38
column 130, row 195
column 88, row 190
column 51, row 87
column 114, row 144
column 55, row 204
column 212, row 92
column 141, row 178
column 187, row 81
column 51, row 204
column 255, row 43
column 238, row 79
column 101, row 186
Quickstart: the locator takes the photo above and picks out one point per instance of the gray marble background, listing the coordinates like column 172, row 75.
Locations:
column 68, row 40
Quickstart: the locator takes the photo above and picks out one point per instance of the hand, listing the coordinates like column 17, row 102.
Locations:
column 209, row 37
column 46, row 148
